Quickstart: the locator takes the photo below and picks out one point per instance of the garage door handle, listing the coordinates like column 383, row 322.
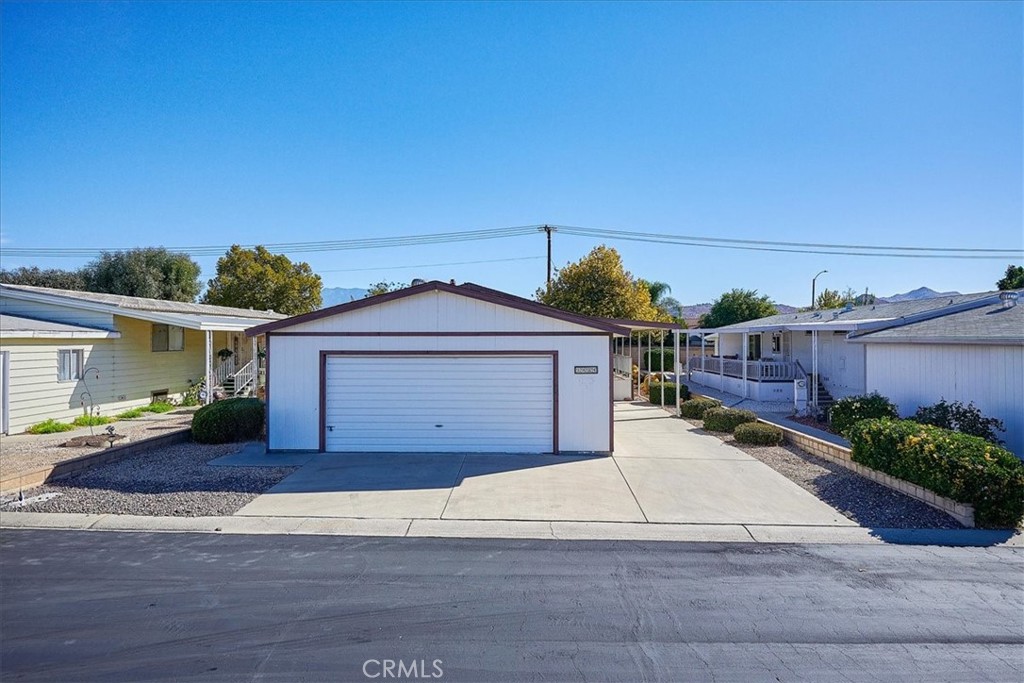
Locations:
column 439, row 425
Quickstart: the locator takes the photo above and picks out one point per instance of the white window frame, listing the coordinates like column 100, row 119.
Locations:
column 75, row 365
column 173, row 338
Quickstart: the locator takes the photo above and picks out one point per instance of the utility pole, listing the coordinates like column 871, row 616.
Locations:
column 548, row 229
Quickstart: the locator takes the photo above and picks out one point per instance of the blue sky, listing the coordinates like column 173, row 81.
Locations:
column 139, row 124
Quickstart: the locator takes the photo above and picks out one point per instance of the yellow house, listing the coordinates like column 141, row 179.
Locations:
column 64, row 352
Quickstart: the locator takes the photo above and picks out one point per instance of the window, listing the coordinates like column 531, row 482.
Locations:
column 168, row 338
column 70, row 363
column 776, row 343
column 754, row 347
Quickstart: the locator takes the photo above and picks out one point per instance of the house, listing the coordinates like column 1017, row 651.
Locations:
column 439, row 367
column 961, row 347
column 62, row 352
column 975, row 355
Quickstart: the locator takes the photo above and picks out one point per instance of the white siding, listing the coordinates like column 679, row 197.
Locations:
column 438, row 312
column 128, row 372
column 840, row 363
column 294, row 387
column 914, row 375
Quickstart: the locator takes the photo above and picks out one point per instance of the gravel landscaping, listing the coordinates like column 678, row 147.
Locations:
column 172, row 481
column 868, row 503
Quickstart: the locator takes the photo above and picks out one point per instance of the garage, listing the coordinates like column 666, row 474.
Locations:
column 447, row 403
column 439, row 367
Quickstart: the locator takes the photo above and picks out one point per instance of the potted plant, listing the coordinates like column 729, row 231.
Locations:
column 224, row 354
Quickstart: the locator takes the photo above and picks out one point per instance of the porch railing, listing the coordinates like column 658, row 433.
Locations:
column 757, row 370
column 622, row 364
column 224, row 370
column 245, row 377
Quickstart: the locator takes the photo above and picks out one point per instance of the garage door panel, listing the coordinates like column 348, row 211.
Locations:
column 436, row 404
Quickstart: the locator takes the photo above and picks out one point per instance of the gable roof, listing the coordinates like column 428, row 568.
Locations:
column 468, row 290
column 194, row 316
column 864, row 318
column 989, row 324
column 21, row 327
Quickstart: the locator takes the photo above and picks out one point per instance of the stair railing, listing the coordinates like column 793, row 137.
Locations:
column 245, row 377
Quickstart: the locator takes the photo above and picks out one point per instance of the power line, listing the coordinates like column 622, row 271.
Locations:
column 432, row 265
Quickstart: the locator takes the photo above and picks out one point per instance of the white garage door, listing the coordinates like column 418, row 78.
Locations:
column 465, row 403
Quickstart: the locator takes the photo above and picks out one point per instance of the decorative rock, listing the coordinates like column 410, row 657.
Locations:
column 95, row 441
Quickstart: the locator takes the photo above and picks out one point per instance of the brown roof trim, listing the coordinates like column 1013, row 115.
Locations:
column 470, row 291
column 643, row 324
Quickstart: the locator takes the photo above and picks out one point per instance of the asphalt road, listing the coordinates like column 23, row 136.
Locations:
column 104, row 606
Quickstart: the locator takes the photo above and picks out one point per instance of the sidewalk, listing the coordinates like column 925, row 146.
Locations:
column 775, row 412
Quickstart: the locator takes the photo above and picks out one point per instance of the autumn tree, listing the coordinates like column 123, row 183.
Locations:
column 830, row 298
column 598, row 285
column 256, row 278
column 33, row 276
column 737, row 306
column 150, row 272
column 1013, row 279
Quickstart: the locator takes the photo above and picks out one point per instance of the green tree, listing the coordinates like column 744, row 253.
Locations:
column 151, row 272
column 51, row 277
column 255, row 278
column 384, row 287
column 599, row 285
column 737, row 306
column 1014, row 278
column 830, row 298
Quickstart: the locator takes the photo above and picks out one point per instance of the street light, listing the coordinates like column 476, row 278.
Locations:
column 814, row 281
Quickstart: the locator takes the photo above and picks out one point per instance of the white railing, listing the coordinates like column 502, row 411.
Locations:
column 622, row 364
column 223, row 371
column 245, row 376
column 757, row 370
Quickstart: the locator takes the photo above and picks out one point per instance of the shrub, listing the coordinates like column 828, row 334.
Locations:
column 960, row 418
column 696, row 407
column 669, row 390
column 158, row 407
column 653, row 358
column 233, row 419
column 965, row 468
column 90, row 420
column 758, row 434
column 848, row 411
column 727, row 419
column 49, row 426
column 130, row 414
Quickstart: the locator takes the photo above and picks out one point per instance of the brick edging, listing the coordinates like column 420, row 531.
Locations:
column 41, row 476
column 840, row 455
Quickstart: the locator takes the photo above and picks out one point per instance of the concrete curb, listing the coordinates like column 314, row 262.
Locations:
column 575, row 531
column 26, row 480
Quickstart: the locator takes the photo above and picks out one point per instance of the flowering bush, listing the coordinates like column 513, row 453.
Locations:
column 965, row 468
column 846, row 412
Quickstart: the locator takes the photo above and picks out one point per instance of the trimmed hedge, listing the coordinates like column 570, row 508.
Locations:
column 758, row 434
column 696, row 407
column 848, row 411
column 656, row 389
column 233, row 419
column 965, row 468
column 652, row 360
column 727, row 419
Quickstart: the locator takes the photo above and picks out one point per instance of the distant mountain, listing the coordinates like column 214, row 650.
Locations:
column 916, row 295
column 333, row 296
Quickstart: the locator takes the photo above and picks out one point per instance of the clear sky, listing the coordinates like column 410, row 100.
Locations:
column 175, row 124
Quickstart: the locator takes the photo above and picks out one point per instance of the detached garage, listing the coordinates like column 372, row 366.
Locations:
column 440, row 368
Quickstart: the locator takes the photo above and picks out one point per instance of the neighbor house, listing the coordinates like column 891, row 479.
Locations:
column 63, row 352
column 965, row 347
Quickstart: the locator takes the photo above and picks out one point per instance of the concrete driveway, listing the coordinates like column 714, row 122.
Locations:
column 662, row 472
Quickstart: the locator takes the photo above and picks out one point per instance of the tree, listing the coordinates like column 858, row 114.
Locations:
column 255, row 278
column 1014, row 278
column 384, row 287
column 830, row 298
column 51, row 277
column 151, row 272
column 598, row 285
column 737, row 306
